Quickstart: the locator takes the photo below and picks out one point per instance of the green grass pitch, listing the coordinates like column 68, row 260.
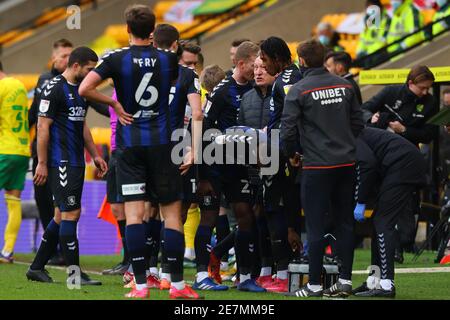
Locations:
column 15, row 286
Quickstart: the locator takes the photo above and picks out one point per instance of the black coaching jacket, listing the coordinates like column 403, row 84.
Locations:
column 322, row 113
column 386, row 159
column 398, row 103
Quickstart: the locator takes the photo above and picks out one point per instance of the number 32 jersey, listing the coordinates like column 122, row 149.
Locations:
column 61, row 102
column 143, row 76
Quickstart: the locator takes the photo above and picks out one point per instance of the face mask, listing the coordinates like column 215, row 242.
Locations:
column 396, row 4
column 324, row 40
column 441, row 3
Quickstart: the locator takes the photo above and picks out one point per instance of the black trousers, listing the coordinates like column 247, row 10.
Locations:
column 406, row 225
column 329, row 191
column 391, row 203
column 44, row 199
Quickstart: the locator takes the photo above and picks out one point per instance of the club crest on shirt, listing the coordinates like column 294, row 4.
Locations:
column 397, row 105
column 71, row 201
column 207, row 200
column 419, row 107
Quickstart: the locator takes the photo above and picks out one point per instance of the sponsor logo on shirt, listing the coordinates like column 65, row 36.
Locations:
column 133, row 189
column 329, row 96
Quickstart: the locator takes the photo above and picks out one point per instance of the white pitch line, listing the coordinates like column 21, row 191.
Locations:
column 397, row 270
column 412, row 270
column 57, row 268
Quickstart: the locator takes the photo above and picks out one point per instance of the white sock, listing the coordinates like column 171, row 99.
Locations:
column 343, row 281
column 165, row 276
column 223, row 266
column 282, row 274
column 5, row 253
column 202, row 275
column 179, row 285
column 372, row 282
column 141, row 286
column 265, row 271
column 386, row 284
column 314, row 287
column 244, row 277
column 154, row 271
column 189, row 253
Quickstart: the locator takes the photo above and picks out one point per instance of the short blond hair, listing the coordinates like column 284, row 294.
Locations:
column 246, row 50
column 211, row 77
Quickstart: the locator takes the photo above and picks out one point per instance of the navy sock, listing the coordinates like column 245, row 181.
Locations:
column 221, row 249
column 148, row 241
column 164, row 263
column 122, row 225
column 202, row 244
column 135, row 234
column 174, row 246
column 265, row 245
column 47, row 247
column 156, row 236
column 278, row 233
column 256, row 265
column 222, row 231
column 69, row 242
column 245, row 250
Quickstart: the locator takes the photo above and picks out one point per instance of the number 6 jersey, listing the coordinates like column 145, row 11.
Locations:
column 61, row 102
column 143, row 76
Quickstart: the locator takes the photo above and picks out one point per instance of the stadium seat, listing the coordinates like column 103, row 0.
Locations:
column 29, row 80
column 199, row 26
column 7, row 36
column 119, row 33
column 221, row 26
column 250, row 5
column 334, row 19
column 428, row 15
column 50, row 16
column 19, row 37
column 202, row 28
column 161, row 8
column 293, row 48
column 350, row 46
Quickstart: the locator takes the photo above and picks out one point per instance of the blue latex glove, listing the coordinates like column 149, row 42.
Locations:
column 359, row 212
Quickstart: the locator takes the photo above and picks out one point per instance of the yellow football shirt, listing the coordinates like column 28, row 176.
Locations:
column 14, row 130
